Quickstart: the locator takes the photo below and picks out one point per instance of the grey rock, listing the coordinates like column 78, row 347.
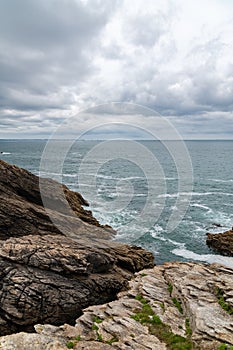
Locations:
column 194, row 285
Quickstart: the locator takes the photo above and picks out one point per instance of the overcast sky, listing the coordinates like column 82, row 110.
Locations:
column 59, row 57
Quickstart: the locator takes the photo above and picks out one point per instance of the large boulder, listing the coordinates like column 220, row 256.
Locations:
column 48, row 272
column 221, row 242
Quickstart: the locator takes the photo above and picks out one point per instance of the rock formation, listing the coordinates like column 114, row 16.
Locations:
column 22, row 212
column 49, row 275
column 221, row 242
column 173, row 306
column 52, row 275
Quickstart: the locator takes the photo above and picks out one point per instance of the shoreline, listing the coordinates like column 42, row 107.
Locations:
column 50, row 277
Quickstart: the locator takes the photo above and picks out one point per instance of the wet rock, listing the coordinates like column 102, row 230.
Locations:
column 221, row 242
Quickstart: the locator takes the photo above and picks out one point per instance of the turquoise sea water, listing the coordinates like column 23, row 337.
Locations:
column 118, row 190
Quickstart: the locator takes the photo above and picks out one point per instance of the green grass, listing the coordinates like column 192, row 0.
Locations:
column 140, row 298
column 143, row 274
column 96, row 319
column 163, row 332
column 178, row 305
column 170, row 288
column 224, row 347
column 99, row 337
column 162, row 306
column 94, row 327
column 113, row 340
column 71, row 344
column 78, row 338
column 221, row 300
column 188, row 330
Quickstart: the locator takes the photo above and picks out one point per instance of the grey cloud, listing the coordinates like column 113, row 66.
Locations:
column 54, row 55
column 48, row 24
column 46, row 49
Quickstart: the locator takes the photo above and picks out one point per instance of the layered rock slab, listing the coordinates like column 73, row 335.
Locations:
column 188, row 298
column 50, row 279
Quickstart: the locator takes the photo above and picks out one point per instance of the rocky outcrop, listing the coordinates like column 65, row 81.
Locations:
column 173, row 306
column 48, row 272
column 22, row 210
column 221, row 242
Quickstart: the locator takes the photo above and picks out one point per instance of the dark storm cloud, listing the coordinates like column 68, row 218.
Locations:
column 45, row 47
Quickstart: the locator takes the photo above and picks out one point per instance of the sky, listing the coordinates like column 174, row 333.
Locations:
column 59, row 58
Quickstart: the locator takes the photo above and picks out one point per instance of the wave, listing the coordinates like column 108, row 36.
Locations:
column 84, row 185
column 193, row 194
column 201, row 206
column 220, row 180
column 163, row 239
column 45, row 173
column 209, row 258
column 176, row 195
column 5, row 153
column 69, row 175
column 157, row 229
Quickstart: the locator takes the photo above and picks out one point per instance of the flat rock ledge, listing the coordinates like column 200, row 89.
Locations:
column 221, row 242
column 173, row 306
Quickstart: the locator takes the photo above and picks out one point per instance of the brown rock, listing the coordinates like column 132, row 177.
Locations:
column 50, row 279
column 49, row 275
column 22, row 212
column 221, row 242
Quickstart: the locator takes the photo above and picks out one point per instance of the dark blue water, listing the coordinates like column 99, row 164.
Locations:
column 119, row 188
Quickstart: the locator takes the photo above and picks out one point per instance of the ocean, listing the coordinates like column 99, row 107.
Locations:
column 138, row 194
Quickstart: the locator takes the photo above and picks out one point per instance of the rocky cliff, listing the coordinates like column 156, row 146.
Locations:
column 221, row 242
column 49, row 275
column 22, row 211
column 177, row 306
column 71, row 286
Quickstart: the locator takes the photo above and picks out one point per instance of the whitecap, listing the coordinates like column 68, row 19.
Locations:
column 168, row 195
column 164, row 239
column 193, row 194
column 201, row 206
column 156, row 230
column 220, row 180
column 224, row 193
column 174, row 207
column 69, row 175
column 209, row 258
